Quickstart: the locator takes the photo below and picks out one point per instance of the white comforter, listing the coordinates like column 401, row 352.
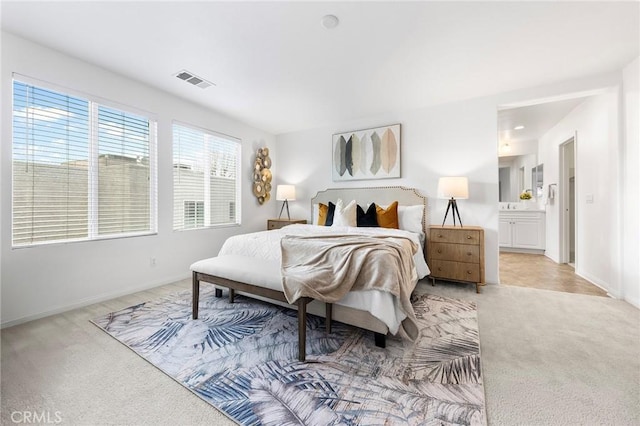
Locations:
column 266, row 245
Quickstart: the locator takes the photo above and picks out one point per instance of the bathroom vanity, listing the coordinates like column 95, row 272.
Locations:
column 521, row 229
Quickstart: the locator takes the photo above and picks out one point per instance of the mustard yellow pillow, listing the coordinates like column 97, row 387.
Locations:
column 388, row 218
column 323, row 209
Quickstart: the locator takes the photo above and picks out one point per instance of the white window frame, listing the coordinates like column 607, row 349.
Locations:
column 92, row 208
column 207, row 182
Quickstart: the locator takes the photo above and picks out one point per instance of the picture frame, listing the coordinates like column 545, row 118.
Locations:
column 364, row 154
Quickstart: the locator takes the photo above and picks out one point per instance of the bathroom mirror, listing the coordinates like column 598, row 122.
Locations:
column 518, row 173
column 537, row 175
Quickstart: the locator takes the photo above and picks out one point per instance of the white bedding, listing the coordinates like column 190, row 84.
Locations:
column 265, row 245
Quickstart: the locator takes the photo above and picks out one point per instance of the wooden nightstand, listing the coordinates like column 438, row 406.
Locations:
column 279, row 223
column 456, row 254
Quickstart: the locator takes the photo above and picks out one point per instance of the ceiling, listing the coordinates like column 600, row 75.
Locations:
column 276, row 68
column 536, row 120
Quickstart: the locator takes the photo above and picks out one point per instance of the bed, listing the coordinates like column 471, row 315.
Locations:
column 377, row 311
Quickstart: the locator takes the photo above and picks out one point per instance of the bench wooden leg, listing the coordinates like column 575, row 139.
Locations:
column 195, row 290
column 232, row 295
column 328, row 313
column 380, row 339
column 218, row 292
column 302, row 328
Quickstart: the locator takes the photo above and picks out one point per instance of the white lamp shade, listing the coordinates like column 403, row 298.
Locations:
column 453, row 187
column 286, row 192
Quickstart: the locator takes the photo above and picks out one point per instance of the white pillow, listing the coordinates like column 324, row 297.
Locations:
column 410, row 218
column 345, row 215
column 315, row 213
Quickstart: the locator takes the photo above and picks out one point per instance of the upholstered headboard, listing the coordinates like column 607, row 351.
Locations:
column 382, row 195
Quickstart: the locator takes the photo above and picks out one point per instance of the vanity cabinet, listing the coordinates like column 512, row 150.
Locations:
column 522, row 229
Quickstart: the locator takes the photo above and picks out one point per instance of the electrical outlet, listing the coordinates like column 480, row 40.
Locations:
column 152, row 261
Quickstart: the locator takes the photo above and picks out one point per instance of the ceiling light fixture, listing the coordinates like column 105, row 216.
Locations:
column 520, row 127
column 329, row 21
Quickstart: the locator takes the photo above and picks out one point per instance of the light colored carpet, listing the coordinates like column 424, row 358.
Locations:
column 548, row 358
column 552, row 358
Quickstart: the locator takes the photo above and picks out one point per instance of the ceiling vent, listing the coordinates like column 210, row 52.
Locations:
column 190, row 77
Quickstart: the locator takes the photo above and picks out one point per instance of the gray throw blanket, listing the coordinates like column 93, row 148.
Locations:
column 325, row 268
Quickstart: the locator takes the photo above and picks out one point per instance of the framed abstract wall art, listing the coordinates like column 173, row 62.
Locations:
column 367, row 154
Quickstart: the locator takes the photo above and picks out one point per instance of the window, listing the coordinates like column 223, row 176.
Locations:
column 81, row 170
column 193, row 214
column 205, row 173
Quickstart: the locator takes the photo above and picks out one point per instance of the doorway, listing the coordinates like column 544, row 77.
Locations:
column 567, row 196
column 521, row 128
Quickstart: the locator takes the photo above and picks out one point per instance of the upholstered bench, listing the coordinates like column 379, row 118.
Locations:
column 252, row 276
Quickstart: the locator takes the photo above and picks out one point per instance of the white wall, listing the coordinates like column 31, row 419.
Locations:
column 448, row 140
column 630, row 207
column 452, row 139
column 41, row 280
column 458, row 138
column 598, row 232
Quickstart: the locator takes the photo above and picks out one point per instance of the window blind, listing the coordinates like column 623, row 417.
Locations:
column 123, row 172
column 81, row 170
column 205, row 173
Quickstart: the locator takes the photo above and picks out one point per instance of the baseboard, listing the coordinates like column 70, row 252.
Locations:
column 597, row 283
column 521, row 250
column 633, row 302
column 92, row 300
column 548, row 256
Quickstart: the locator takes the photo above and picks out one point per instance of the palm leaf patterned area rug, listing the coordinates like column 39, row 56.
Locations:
column 242, row 359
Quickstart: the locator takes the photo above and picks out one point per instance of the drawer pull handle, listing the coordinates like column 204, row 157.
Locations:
column 439, row 235
column 439, row 268
column 468, row 253
column 469, row 237
column 469, row 272
column 439, row 250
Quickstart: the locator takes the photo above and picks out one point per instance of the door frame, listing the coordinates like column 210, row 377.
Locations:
column 564, row 202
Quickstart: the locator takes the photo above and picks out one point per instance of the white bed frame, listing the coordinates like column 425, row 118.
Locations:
column 383, row 195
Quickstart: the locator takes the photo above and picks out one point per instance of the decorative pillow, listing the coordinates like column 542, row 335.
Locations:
column 368, row 218
column 387, row 218
column 321, row 211
column 410, row 218
column 345, row 215
column 330, row 214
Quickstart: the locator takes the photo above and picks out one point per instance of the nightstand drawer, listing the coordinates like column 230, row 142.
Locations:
column 279, row 223
column 274, row 225
column 456, row 252
column 458, row 271
column 455, row 236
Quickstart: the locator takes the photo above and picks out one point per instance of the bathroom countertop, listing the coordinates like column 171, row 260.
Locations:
column 522, row 210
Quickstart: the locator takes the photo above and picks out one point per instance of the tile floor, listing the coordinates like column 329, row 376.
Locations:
column 538, row 271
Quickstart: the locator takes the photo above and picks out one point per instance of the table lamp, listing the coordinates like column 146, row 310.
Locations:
column 453, row 188
column 285, row 193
